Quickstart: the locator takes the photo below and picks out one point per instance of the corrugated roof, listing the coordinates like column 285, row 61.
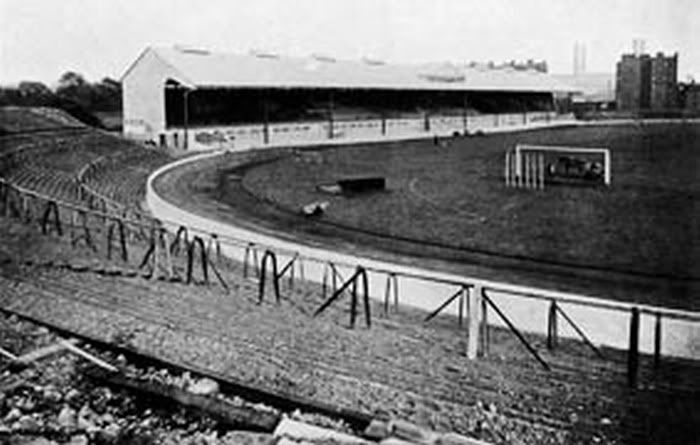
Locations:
column 199, row 68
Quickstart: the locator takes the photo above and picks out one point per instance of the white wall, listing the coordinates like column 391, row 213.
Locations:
column 369, row 130
column 143, row 96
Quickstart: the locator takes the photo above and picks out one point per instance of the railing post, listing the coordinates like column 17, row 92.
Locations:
column 213, row 243
column 633, row 352
column 362, row 273
column 180, row 236
column 391, row 282
column 250, row 252
column 657, row 342
column 73, row 227
column 6, row 199
column 506, row 172
column 300, row 265
column 484, row 327
column 552, row 329
column 475, row 297
column 196, row 240
column 26, row 216
column 118, row 224
column 51, row 208
column 163, row 237
column 275, row 276
column 291, row 273
column 333, row 275
column 156, row 252
column 353, row 302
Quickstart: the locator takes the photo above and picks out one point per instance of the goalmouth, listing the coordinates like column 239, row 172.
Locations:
column 525, row 166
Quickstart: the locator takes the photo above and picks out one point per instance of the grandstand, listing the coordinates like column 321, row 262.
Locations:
column 196, row 99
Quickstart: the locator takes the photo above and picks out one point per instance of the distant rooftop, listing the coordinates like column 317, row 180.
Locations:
column 591, row 87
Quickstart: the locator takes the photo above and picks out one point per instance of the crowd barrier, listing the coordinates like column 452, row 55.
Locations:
column 637, row 328
column 345, row 131
column 480, row 304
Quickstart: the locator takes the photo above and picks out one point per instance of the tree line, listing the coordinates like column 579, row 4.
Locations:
column 73, row 94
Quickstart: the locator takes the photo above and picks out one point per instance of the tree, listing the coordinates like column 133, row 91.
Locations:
column 74, row 88
column 74, row 95
column 71, row 79
column 106, row 95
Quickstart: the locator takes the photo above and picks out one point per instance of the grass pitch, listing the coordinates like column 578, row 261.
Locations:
column 451, row 203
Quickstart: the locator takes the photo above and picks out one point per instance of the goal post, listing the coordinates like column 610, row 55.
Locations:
column 519, row 167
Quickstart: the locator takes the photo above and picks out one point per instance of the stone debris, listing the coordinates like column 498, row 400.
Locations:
column 412, row 432
column 458, row 439
column 67, row 418
column 299, row 431
column 204, row 387
column 377, row 430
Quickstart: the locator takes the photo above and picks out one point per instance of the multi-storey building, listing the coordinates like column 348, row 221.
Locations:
column 664, row 86
column 644, row 82
column 632, row 82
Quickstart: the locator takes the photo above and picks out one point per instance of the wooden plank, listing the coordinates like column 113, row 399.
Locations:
column 7, row 354
column 40, row 353
column 222, row 410
column 97, row 361
column 303, row 432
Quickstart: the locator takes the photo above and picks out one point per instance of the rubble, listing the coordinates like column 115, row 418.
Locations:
column 35, row 411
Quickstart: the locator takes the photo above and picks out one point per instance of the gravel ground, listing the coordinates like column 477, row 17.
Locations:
column 505, row 399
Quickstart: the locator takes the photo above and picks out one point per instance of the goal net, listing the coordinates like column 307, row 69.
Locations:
column 530, row 166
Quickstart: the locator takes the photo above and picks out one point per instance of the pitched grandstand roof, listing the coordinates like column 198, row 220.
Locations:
column 200, row 68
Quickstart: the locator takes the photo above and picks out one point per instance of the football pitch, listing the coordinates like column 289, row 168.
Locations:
column 447, row 204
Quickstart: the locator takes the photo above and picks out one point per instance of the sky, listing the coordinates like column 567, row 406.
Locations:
column 41, row 39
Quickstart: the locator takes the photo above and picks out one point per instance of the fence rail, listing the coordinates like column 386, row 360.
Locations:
column 477, row 295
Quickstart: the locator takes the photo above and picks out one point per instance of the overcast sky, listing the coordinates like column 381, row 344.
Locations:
column 40, row 39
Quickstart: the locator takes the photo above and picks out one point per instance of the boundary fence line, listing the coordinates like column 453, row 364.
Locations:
column 476, row 292
column 475, row 296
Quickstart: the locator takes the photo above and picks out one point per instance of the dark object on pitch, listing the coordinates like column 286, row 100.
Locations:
column 316, row 208
column 362, row 185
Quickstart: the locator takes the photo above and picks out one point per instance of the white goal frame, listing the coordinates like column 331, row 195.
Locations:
column 520, row 148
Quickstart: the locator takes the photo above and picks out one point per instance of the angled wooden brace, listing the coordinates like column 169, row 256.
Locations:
column 197, row 241
column 118, row 225
column 275, row 276
column 46, row 220
column 86, row 235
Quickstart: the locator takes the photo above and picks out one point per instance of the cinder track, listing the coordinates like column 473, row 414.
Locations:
column 146, row 305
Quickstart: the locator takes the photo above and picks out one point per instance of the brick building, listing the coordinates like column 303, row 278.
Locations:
column 664, row 84
column 690, row 96
column 644, row 82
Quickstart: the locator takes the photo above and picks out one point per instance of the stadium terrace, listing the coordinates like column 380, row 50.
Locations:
column 196, row 99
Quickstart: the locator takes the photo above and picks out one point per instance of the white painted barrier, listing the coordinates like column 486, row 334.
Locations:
column 242, row 137
column 606, row 322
